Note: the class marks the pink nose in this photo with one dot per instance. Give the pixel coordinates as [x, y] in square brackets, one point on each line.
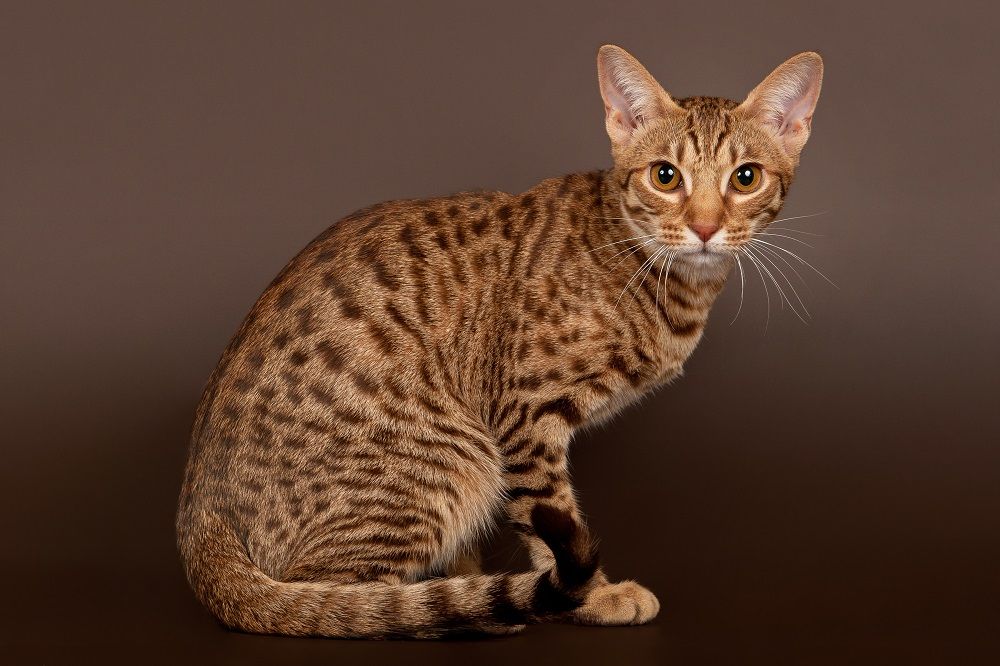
[704, 231]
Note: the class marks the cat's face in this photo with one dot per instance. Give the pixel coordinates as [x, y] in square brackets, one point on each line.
[700, 176]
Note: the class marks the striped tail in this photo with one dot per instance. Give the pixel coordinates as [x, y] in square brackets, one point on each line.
[243, 597]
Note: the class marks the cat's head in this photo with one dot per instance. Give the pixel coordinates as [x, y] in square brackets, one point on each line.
[700, 176]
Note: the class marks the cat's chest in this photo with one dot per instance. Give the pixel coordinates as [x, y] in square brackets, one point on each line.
[675, 350]
[640, 380]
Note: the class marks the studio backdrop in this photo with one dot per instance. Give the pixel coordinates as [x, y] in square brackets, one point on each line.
[814, 490]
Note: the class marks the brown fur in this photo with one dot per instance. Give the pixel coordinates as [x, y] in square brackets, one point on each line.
[422, 366]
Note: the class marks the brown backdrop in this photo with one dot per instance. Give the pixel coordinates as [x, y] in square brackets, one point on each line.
[822, 493]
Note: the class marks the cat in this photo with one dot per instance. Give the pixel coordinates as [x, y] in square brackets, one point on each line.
[421, 367]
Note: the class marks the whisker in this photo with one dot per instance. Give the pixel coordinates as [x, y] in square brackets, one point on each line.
[790, 286]
[624, 240]
[797, 257]
[660, 277]
[781, 291]
[634, 250]
[736, 255]
[666, 275]
[767, 292]
[619, 252]
[797, 240]
[641, 267]
[796, 231]
[787, 263]
[770, 275]
[649, 269]
[620, 219]
[799, 217]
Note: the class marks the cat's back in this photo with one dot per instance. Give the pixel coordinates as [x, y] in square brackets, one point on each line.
[349, 320]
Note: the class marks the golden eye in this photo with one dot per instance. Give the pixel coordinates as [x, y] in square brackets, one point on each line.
[746, 178]
[665, 176]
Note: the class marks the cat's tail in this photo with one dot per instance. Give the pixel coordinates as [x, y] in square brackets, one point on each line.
[243, 597]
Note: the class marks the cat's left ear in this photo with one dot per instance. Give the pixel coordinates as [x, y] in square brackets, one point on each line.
[784, 102]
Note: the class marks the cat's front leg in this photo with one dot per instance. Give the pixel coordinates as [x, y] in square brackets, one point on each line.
[539, 488]
[615, 604]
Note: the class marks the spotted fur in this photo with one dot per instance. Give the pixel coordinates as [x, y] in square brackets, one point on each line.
[419, 369]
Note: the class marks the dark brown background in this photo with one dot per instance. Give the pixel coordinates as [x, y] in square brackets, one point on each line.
[813, 494]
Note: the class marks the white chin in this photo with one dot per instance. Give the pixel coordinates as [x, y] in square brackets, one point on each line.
[700, 258]
[705, 263]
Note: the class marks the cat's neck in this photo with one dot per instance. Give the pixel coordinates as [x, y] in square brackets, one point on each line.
[642, 278]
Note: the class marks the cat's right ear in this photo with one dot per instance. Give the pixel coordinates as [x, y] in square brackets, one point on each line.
[632, 97]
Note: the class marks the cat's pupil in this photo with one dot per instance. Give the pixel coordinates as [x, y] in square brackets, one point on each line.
[665, 174]
[745, 176]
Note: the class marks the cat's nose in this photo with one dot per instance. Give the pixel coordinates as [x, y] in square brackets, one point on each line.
[704, 230]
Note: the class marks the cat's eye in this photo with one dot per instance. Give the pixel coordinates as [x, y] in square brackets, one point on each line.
[746, 178]
[665, 176]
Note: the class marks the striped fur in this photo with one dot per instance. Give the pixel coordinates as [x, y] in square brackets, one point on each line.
[420, 368]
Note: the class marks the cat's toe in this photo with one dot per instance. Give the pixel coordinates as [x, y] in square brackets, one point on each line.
[618, 604]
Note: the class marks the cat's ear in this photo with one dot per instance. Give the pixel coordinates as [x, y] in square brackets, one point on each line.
[632, 97]
[784, 102]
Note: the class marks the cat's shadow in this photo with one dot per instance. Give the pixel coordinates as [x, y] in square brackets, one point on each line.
[503, 551]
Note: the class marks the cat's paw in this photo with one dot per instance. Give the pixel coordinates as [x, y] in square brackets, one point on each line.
[617, 604]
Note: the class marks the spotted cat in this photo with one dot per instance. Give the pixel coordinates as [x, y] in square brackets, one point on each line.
[419, 370]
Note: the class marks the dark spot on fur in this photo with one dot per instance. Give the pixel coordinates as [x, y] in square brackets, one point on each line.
[442, 240]
[406, 236]
[286, 298]
[502, 607]
[564, 407]
[480, 225]
[332, 356]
